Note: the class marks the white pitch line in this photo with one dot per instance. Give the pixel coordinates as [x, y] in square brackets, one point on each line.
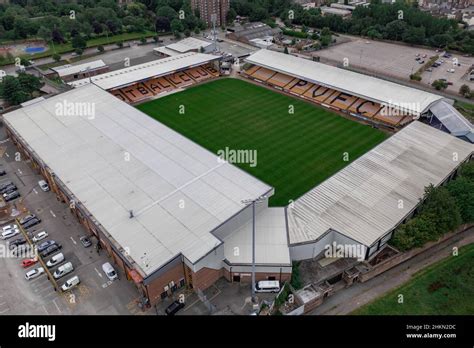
[34, 190]
[73, 241]
[52, 213]
[98, 273]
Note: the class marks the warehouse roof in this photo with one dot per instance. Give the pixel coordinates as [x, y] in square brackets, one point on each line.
[367, 87]
[188, 44]
[117, 159]
[362, 201]
[69, 69]
[156, 68]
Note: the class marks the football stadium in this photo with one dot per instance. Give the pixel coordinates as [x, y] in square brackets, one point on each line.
[332, 160]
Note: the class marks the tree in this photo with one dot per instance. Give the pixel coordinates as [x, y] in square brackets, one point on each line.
[100, 48]
[78, 42]
[162, 24]
[56, 57]
[167, 12]
[119, 44]
[29, 83]
[176, 26]
[11, 91]
[462, 189]
[286, 50]
[231, 15]
[57, 36]
[439, 84]
[143, 40]
[325, 40]
[187, 33]
[465, 91]
[44, 33]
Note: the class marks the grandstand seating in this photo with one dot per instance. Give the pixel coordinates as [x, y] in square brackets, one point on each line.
[143, 90]
[327, 96]
[281, 80]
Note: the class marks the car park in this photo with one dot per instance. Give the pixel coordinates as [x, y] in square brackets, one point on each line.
[86, 242]
[10, 233]
[51, 249]
[109, 271]
[34, 273]
[70, 283]
[55, 260]
[31, 223]
[43, 185]
[28, 262]
[40, 236]
[11, 196]
[45, 245]
[173, 308]
[63, 270]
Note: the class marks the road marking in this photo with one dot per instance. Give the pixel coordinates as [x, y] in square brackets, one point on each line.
[1, 304]
[57, 307]
[73, 241]
[45, 310]
[98, 273]
[6, 154]
[52, 213]
[19, 171]
[4, 141]
[34, 190]
[4, 311]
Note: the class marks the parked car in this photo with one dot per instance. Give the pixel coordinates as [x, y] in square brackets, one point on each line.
[109, 271]
[45, 245]
[70, 283]
[43, 185]
[26, 218]
[449, 83]
[86, 242]
[31, 223]
[450, 71]
[10, 233]
[40, 236]
[51, 249]
[10, 227]
[34, 273]
[5, 184]
[429, 69]
[2, 172]
[421, 62]
[11, 196]
[173, 308]
[9, 189]
[55, 260]
[16, 242]
[417, 58]
[28, 262]
[63, 270]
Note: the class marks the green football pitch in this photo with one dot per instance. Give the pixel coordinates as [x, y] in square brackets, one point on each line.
[295, 151]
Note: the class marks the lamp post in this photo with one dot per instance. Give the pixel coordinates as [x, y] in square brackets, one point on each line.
[252, 202]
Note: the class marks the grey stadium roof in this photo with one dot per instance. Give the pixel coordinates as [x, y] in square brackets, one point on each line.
[362, 200]
[456, 123]
[368, 87]
[156, 68]
[178, 190]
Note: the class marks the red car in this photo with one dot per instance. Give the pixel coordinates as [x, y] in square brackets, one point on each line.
[28, 262]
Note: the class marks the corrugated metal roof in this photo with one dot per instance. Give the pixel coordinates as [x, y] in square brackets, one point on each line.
[177, 190]
[452, 119]
[144, 71]
[362, 200]
[65, 70]
[271, 243]
[188, 44]
[368, 87]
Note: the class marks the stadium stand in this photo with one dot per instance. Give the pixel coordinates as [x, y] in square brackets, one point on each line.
[263, 74]
[300, 87]
[280, 80]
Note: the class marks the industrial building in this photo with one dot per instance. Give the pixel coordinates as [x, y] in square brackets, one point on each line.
[70, 72]
[189, 44]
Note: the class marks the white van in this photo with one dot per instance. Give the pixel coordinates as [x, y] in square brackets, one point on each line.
[63, 270]
[109, 271]
[55, 260]
[70, 283]
[267, 286]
